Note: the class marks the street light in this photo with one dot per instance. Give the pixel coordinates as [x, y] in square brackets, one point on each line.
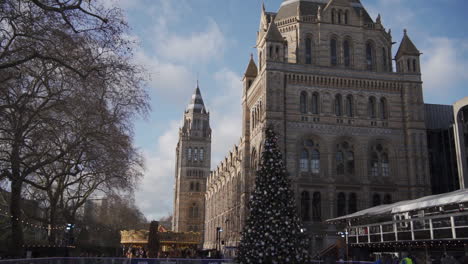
[218, 239]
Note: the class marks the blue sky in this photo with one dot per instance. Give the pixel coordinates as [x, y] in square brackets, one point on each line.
[212, 39]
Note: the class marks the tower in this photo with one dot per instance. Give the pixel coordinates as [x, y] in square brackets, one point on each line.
[193, 154]
[407, 57]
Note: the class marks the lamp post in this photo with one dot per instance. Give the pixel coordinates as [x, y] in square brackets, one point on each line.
[218, 239]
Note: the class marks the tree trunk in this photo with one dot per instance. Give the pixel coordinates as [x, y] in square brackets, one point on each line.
[17, 239]
[52, 221]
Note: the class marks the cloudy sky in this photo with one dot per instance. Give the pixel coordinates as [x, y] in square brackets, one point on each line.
[212, 39]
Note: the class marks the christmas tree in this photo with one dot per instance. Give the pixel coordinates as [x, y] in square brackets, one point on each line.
[273, 232]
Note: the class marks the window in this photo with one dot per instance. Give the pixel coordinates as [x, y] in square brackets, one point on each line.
[415, 69]
[409, 65]
[371, 107]
[346, 53]
[193, 211]
[304, 162]
[315, 162]
[333, 16]
[271, 52]
[384, 59]
[316, 207]
[260, 61]
[339, 17]
[202, 154]
[340, 163]
[350, 162]
[303, 102]
[376, 200]
[341, 204]
[385, 169]
[333, 54]
[192, 186]
[387, 199]
[308, 58]
[374, 165]
[286, 52]
[369, 57]
[352, 203]
[189, 154]
[315, 103]
[197, 186]
[305, 207]
[349, 106]
[383, 108]
[346, 17]
[338, 105]
[195, 154]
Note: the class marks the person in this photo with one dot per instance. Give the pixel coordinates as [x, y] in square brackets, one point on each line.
[406, 260]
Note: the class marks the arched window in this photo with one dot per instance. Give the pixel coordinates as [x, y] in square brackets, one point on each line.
[384, 59]
[195, 154]
[369, 57]
[315, 162]
[340, 163]
[271, 52]
[415, 68]
[409, 65]
[202, 154]
[374, 164]
[387, 199]
[189, 154]
[197, 187]
[260, 61]
[316, 207]
[341, 204]
[346, 53]
[303, 102]
[372, 108]
[305, 206]
[333, 54]
[346, 17]
[339, 17]
[338, 105]
[304, 161]
[376, 200]
[385, 166]
[383, 108]
[349, 106]
[315, 103]
[352, 203]
[333, 16]
[253, 159]
[350, 162]
[192, 186]
[308, 57]
[286, 55]
[193, 211]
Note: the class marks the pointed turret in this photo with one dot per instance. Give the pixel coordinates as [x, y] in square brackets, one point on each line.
[407, 56]
[250, 74]
[196, 103]
[273, 33]
[252, 69]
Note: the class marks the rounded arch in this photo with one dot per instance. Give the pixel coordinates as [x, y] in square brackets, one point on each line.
[383, 112]
[308, 48]
[348, 51]
[303, 102]
[338, 105]
[305, 206]
[333, 50]
[315, 103]
[370, 55]
[372, 107]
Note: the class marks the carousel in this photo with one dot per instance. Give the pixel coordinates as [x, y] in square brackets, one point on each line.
[172, 244]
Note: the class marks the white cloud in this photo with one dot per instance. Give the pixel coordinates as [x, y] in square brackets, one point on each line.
[155, 195]
[444, 67]
[197, 47]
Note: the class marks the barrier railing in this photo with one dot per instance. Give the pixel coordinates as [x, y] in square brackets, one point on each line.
[145, 261]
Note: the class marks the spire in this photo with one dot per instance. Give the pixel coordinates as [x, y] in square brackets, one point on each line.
[196, 103]
[407, 47]
[273, 33]
[252, 69]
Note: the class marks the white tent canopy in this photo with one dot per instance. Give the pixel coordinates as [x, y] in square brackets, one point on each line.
[460, 196]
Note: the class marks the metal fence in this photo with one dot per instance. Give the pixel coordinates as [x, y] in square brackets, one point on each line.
[144, 261]
[113, 261]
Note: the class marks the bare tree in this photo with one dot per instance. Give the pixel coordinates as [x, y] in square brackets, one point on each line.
[66, 77]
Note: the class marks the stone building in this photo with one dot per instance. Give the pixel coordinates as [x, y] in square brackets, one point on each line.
[351, 128]
[193, 160]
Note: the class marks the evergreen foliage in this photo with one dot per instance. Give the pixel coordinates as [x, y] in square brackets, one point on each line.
[273, 232]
